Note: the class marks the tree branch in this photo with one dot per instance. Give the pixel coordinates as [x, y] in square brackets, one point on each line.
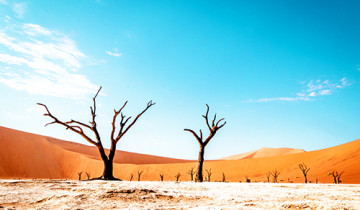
[114, 120]
[149, 104]
[199, 139]
[76, 129]
[206, 117]
[80, 123]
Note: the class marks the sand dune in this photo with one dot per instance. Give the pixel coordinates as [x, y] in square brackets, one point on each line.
[264, 152]
[25, 155]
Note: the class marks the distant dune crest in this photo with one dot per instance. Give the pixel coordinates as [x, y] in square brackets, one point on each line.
[264, 152]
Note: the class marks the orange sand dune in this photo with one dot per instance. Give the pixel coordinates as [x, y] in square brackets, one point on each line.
[264, 152]
[25, 155]
[344, 157]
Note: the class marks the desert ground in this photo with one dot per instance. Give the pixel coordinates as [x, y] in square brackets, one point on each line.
[40, 172]
[65, 194]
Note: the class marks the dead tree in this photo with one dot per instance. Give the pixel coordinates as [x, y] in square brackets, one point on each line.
[208, 172]
[161, 177]
[78, 127]
[336, 175]
[248, 180]
[131, 177]
[275, 174]
[191, 172]
[213, 128]
[268, 174]
[177, 176]
[223, 177]
[304, 170]
[139, 174]
[87, 175]
[79, 174]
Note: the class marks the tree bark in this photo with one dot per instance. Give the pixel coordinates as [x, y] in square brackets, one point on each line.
[199, 172]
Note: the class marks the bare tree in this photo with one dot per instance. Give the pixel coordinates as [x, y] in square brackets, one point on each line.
[208, 172]
[78, 127]
[87, 175]
[139, 174]
[161, 177]
[213, 129]
[191, 172]
[275, 174]
[268, 174]
[248, 180]
[79, 175]
[223, 177]
[177, 176]
[131, 177]
[336, 175]
[304, 170]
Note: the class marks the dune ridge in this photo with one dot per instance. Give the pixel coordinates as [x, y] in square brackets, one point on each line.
[264, 152]
[25, 155]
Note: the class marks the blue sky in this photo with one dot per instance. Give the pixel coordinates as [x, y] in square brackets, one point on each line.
[282, 73]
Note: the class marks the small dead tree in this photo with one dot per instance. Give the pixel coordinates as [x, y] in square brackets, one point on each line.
[208, 172]
[191, 172]
[336, 175]
[139, 174]
[131, 177]
[304, 170]
[79, 174]
[248, 180]
[87, 175]
[161, 177]
[223, 177]
[268, 174]
[213, 128]
[275, 174]
[177, 176]
[79, 127]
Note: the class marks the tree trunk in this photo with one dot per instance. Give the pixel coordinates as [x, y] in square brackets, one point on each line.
[199, 173]
[108, 163]
[108, 171]
[305, 179]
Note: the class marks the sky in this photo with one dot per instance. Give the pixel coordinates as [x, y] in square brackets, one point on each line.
[281, 73]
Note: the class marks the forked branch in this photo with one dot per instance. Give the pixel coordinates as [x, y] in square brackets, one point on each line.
[213, 128]
[123, 121]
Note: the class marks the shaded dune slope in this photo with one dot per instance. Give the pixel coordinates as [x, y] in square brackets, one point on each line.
[26, 155]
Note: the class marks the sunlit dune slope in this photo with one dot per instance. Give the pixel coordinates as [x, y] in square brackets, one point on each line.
[25, 155]
[264, 152]
[344, 157]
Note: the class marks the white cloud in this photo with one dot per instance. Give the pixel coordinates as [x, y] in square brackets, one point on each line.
[116, 54]
[324, 92]
[19, 9]
[34, 29]
[310, 91]
[11, 60]
[3, 2]
[42, 61]
[276, 99]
